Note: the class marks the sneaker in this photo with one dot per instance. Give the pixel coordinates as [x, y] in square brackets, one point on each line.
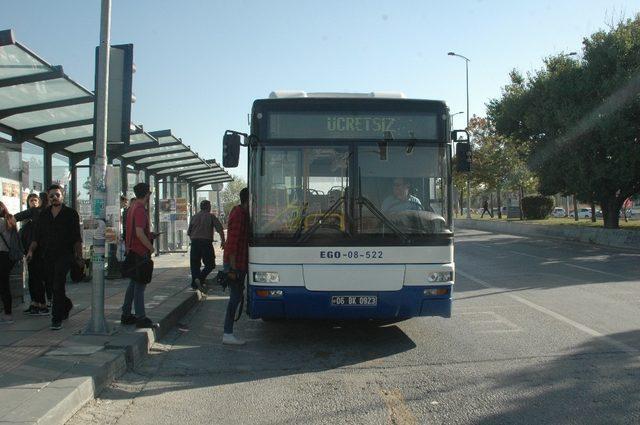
[30, 310]
[56, 326]
[39, 311]
[230, 339]
[145, 322]
[6, 320]
[128, 319]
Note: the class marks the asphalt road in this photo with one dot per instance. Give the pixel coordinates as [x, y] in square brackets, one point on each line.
[542, 332]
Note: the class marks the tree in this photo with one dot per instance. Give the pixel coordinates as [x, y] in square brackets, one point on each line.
[230, 195]
[579, 120]
[498, 162]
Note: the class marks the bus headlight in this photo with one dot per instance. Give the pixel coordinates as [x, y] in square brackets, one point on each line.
[266, 277]
[440, 277]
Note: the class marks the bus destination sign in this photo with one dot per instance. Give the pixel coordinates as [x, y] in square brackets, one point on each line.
[377, 126]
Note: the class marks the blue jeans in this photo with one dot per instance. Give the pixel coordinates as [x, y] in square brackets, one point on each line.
[201, 250]
[135, 295]
[236, 290]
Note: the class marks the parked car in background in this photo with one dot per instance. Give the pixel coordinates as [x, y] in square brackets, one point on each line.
[582, 213]
[558, 212]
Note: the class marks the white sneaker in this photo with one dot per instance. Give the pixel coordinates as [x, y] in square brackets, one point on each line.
[230, 339]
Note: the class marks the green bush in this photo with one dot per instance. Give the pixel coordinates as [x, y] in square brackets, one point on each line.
[536, 207]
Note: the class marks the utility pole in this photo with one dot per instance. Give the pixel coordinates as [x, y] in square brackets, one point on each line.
[466, 67]
[98, 324]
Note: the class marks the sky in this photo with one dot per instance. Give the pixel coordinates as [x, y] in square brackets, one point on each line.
[201, 63]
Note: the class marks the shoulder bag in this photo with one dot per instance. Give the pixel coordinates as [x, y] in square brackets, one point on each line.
[16, 251]
[138, 268]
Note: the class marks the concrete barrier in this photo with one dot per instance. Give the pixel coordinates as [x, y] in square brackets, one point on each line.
[618, 238]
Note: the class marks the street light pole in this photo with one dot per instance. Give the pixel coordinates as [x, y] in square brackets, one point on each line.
[98, 324]
[466, 66]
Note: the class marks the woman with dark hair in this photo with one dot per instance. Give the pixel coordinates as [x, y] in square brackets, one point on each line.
[44, 200]
[29, 217]
[7, 227]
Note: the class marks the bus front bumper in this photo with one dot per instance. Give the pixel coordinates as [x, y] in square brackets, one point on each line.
[299, 303]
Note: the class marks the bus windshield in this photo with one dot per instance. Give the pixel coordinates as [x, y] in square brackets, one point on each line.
[365, 192]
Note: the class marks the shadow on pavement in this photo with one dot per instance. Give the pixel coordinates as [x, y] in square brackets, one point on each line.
[592, 385]
[274, 349]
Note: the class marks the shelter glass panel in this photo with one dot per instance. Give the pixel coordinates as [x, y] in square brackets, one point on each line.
[38, 92]
[10, 167]
[67, 133]
[49, 116]
[33, 167]
[15, 62]
[61, 174]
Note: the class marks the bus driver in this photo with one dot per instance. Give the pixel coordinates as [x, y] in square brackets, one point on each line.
[401, 200]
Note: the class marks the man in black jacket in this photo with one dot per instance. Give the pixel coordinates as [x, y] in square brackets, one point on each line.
[58, 237]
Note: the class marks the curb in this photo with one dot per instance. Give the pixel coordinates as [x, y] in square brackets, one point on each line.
[614, 238]
[79, 378]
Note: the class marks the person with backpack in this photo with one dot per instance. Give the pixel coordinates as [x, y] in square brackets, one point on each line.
[201, 229]
[10, 253]
[29, 219]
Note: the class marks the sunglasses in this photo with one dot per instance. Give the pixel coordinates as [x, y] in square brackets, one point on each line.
[55, 195]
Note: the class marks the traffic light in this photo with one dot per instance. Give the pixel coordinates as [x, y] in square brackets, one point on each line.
[463, 157]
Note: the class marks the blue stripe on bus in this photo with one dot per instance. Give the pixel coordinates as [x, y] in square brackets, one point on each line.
[300, 303]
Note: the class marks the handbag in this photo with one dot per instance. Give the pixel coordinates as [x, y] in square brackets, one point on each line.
[77, 270]
[16, 250]
[137, 267]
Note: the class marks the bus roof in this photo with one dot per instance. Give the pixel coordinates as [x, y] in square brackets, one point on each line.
[287, 94]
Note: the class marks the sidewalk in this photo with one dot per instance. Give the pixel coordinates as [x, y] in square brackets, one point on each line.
[45, 375]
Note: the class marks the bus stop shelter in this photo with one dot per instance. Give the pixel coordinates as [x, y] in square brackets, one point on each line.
[46, 137]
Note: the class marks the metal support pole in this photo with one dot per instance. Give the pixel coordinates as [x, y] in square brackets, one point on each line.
[48, 169]
[156, 212]
[124, 177]
[466, 63]
[98, 324]
[218, 202]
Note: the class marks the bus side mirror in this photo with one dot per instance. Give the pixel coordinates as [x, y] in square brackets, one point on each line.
[463, 157]
[230, 150]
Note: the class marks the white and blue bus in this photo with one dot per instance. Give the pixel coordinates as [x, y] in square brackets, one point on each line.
[351, 206]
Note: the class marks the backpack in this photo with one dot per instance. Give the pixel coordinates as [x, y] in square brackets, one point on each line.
[16, 250]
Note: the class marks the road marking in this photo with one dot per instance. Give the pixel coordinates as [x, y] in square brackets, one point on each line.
[560, 317]
[569, 264]
[399, 412]
[496, 319]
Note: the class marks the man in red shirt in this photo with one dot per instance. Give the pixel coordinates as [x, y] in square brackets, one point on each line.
[236, 255]
[139, 241]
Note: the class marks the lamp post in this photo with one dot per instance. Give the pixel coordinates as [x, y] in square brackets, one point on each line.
[466, 66]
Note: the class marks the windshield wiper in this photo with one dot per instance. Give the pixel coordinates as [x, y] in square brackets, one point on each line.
[303, 215]
[319, 222]
[367, 203]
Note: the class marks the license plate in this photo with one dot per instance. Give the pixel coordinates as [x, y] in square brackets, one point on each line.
[348, 300]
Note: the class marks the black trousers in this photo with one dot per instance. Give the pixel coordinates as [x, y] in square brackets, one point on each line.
[56, 269]
[201, 250]
[36, 281]
[5, 286]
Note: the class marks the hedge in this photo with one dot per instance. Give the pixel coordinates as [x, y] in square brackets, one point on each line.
[536, 207]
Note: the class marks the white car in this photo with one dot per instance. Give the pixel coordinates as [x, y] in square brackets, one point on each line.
[558, 212]
[584, 213]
